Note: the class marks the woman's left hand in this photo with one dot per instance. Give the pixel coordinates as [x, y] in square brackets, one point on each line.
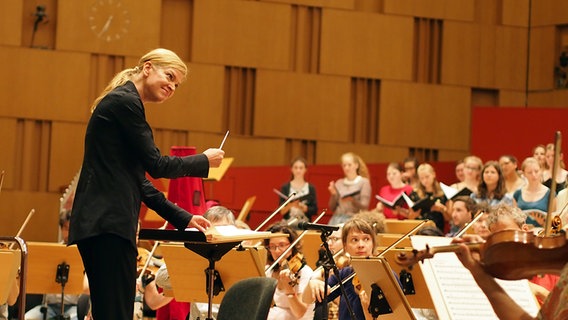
[200, 223]
[284, 281]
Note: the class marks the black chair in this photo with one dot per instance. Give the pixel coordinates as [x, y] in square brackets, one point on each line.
[248, 299]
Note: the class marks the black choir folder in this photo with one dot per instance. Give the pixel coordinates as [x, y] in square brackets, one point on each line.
[424, 203]
[452, 193]
[398, 201]
[352, 194]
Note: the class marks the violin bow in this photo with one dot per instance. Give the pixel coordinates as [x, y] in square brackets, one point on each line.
[30, 214]
[151, 254]
[290, 198]
[414, 230]
[291, 246]
[552, 195]
[469, 224]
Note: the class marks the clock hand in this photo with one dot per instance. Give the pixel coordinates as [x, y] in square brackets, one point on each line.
[106, 26]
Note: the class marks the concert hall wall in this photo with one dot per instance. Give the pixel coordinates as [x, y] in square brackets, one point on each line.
[383, 78]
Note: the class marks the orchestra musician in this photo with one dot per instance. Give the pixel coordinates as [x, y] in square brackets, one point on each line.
[504, 217]
[119, 151]
[358, 238]
[292, 273]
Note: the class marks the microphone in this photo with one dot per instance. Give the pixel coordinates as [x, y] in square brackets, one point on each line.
[316, 226]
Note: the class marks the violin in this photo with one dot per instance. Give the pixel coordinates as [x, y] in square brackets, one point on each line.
[508, 254]
[294, 264]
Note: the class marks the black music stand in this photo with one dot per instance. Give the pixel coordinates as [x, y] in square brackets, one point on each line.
[212, 252]
[197, 242]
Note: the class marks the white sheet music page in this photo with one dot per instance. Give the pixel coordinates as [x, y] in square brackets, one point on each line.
[454, 291]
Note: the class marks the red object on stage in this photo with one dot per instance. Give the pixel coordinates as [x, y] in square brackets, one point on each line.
[187, 193]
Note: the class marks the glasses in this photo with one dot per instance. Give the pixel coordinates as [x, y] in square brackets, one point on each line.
[333, 239]
[472, 168]
[280, 246]
[408, 168]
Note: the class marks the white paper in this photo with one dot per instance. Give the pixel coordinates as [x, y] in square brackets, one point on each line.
[454, 291]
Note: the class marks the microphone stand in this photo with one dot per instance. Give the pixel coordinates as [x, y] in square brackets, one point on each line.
[329, 264]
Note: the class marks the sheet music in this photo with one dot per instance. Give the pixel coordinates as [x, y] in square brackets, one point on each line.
[454, 291]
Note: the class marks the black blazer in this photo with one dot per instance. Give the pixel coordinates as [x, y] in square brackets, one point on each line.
[119, 150]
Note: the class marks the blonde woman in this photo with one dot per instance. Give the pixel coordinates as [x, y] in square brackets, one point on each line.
[119, 151]
[561, 173]
[533, 197]
[472, 174]
[352, 193]
[429, 187]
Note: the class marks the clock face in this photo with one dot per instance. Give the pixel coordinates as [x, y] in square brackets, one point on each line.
[109, 19]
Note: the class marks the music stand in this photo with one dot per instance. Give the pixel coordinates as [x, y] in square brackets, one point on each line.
[421, 299]
[23, 266]
[212, 250]
[401, 226]
[55, 268]
[376, 270]
[188, 284]
[311, 244]
[9, 264]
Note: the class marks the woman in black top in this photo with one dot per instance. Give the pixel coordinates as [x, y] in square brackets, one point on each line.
[119, 151]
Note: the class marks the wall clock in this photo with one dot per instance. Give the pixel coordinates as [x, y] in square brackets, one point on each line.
[109, 20]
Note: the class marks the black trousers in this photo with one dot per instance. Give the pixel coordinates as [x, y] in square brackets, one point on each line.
[110, 264]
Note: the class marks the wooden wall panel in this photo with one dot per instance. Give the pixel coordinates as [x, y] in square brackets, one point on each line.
[10, 22]
[510, 58]
[32, 160]
[460, 53]
[295, 105]
[430, 116]
[44, 35]
[43, 226]
[486, 55]
[177, 36]
[242, 33]
[51, 84]
[338, 4]
[8, 158]
[305, 46]
[438, 9]
[330, 152]
[65, 153]
[133, 26]
[549, 12]
[366, 45]
[515, 12]
[488, 12]
[542, 58]
[196, 105]
[509, 98]
[246, 151]
[550, 98]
